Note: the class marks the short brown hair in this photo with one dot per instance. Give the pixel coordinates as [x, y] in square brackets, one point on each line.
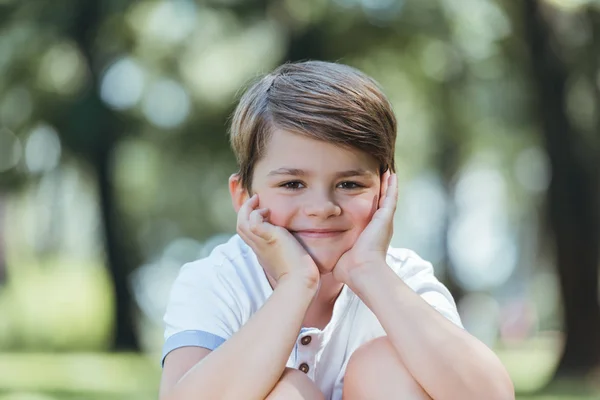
[326, 101]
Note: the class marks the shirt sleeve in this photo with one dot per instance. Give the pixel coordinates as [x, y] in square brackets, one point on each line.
[419, 275]
[205, 307]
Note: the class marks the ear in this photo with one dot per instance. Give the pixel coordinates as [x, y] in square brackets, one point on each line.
[239, 195]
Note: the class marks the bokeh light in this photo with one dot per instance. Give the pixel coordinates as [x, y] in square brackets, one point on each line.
[16, 107]
[10, 149]
[123, 84]
[42, 149]
[166, 104]
[481, 244]
[63, 69]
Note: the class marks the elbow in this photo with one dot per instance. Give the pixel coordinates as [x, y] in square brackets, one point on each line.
[493, 387]
[505, 388]
[172, 394]
[502, 391]
[165, 396]
[169, 395]
[488, 379]
[500, 385]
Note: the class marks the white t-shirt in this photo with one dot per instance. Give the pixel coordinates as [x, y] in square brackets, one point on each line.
[214, 297]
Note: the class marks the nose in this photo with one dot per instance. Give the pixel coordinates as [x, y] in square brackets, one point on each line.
[322, 206]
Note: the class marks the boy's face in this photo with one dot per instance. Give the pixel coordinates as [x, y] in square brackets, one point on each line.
[324, 194]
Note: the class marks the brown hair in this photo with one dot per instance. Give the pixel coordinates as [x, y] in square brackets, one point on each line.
[326, 101]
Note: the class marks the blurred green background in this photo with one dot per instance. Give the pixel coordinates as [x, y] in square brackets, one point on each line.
[114, 163]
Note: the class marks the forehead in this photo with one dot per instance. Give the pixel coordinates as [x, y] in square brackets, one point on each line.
[292, 150]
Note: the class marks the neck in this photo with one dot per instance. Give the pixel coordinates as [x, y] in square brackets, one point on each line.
[320, 310]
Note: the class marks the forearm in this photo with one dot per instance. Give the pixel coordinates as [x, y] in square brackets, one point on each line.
[444, 359]
[250, 363]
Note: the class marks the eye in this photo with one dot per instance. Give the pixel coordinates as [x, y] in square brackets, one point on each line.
[350, 185]
[292, 185]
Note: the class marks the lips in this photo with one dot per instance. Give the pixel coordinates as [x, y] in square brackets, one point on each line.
[318, 233]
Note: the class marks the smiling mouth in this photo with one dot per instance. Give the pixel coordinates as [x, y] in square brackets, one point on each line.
[318, 233]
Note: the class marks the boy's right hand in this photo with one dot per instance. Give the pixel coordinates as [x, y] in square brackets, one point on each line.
[278, 252]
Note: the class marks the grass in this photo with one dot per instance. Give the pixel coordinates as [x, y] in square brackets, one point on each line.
[77, 376]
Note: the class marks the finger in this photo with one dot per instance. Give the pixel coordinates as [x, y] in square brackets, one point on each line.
[245, 210]
[388, 203]
[259, 226]
[246, 238]
[383, 187]
[257, 216]
[391, 196]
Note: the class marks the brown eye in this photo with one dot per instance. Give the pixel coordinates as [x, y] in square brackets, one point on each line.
[350, 185]
[293, 185]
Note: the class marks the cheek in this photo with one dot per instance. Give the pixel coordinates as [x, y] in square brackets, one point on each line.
[281, 209]
[361, 212]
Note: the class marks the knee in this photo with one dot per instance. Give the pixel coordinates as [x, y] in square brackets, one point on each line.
[375, 371]
[369, 359]
[295, 385]
[364, 358]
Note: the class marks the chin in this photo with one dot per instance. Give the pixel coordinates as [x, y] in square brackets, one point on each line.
[325, 270]
[325, 262]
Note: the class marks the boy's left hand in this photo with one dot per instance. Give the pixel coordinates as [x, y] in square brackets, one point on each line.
[371, 247]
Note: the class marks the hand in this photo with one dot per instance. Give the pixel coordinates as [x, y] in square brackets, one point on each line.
[371, 246]
[278, 252]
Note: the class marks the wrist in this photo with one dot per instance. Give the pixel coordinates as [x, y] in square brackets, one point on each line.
[301, 284]
[366, 273]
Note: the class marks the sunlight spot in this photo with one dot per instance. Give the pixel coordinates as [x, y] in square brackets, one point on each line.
[532, 169]
[122, 84]
[10, 149]
[166, 104]
[481, 242]
[16, 106]
[63, 69]
[170, 21]
[42, 149]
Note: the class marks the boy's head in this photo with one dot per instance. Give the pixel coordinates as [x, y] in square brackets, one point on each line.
[324, 101]
[313, 139]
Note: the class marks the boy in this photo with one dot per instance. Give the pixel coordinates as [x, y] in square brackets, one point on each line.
[308, 301]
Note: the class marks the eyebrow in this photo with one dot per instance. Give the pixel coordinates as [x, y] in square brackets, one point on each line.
[301, 172]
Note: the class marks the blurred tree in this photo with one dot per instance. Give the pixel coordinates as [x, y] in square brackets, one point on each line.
[13, 178]
[573, 198]
[2, 241]
[92, 131]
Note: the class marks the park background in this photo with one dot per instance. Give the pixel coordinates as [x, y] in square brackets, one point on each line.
[114, 162]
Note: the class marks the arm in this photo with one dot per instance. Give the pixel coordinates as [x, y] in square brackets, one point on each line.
[251, 361]
[239, 368]
[445, 360]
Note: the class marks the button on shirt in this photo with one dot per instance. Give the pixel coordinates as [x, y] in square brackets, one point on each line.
[304, 368]
[212, 298]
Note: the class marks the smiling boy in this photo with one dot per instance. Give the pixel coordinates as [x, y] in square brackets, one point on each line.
[308, 301]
